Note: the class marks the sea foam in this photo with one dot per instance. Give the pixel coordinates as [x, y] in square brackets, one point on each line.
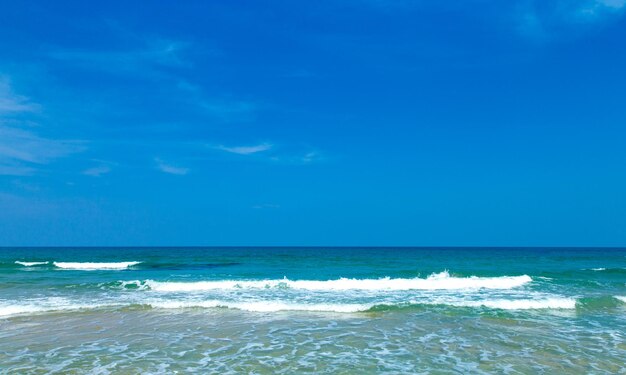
[45, 305]
[90, 266]
[439, 281]
[263, 306]
[521, 304]
[269, 306]
[30, 264]
[17, 310]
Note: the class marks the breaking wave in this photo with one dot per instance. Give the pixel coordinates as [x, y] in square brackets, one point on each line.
[438, 281]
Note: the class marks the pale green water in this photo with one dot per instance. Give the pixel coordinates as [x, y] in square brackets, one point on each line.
[263, 310]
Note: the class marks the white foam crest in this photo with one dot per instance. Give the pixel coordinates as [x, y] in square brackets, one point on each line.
[30, 264]
[50, 304]
[263, 306]
[599, 269]
[61, 304]
[440, 281]
[17, 310]
[521, 304]
[621, 298]
[92, 266]
[56, 304]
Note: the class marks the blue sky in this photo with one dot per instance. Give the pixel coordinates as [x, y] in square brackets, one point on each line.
[474, 123]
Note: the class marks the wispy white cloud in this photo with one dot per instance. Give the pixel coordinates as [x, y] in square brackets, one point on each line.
[26, 146]
[284, 155]
[100, 168]
[155, 60]
[171, 169]
[591, 10]
[16, 170]
[298, 159]
[141, 60]
[11, 102]
[310, 157]
[246, 150]
[616, 4]
[224, 108]
[21, 148]
[97, 171]
[550, 19]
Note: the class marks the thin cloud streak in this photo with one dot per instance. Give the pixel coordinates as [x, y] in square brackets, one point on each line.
[246, 150]
[144, 60]
[545, 21]
[16, 170]
[21, 148]
[310, 157]
[170, 169]
[97, 171]
[11, 102]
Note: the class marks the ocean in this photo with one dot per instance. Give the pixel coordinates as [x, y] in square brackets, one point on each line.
[312, 310]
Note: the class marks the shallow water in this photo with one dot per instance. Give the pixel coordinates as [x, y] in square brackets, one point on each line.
[337, 310]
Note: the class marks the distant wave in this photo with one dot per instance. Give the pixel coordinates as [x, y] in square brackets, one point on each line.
[30, 264]
[605, 270]
[90, 266]
[122, 265]
[439, 281]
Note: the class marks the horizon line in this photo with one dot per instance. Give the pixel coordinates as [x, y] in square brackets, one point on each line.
[314, 246]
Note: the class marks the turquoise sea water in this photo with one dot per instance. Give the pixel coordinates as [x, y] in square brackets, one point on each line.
[317, 310]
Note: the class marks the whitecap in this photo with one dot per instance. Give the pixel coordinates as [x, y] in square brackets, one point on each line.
[30, 264]
[91, 266]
